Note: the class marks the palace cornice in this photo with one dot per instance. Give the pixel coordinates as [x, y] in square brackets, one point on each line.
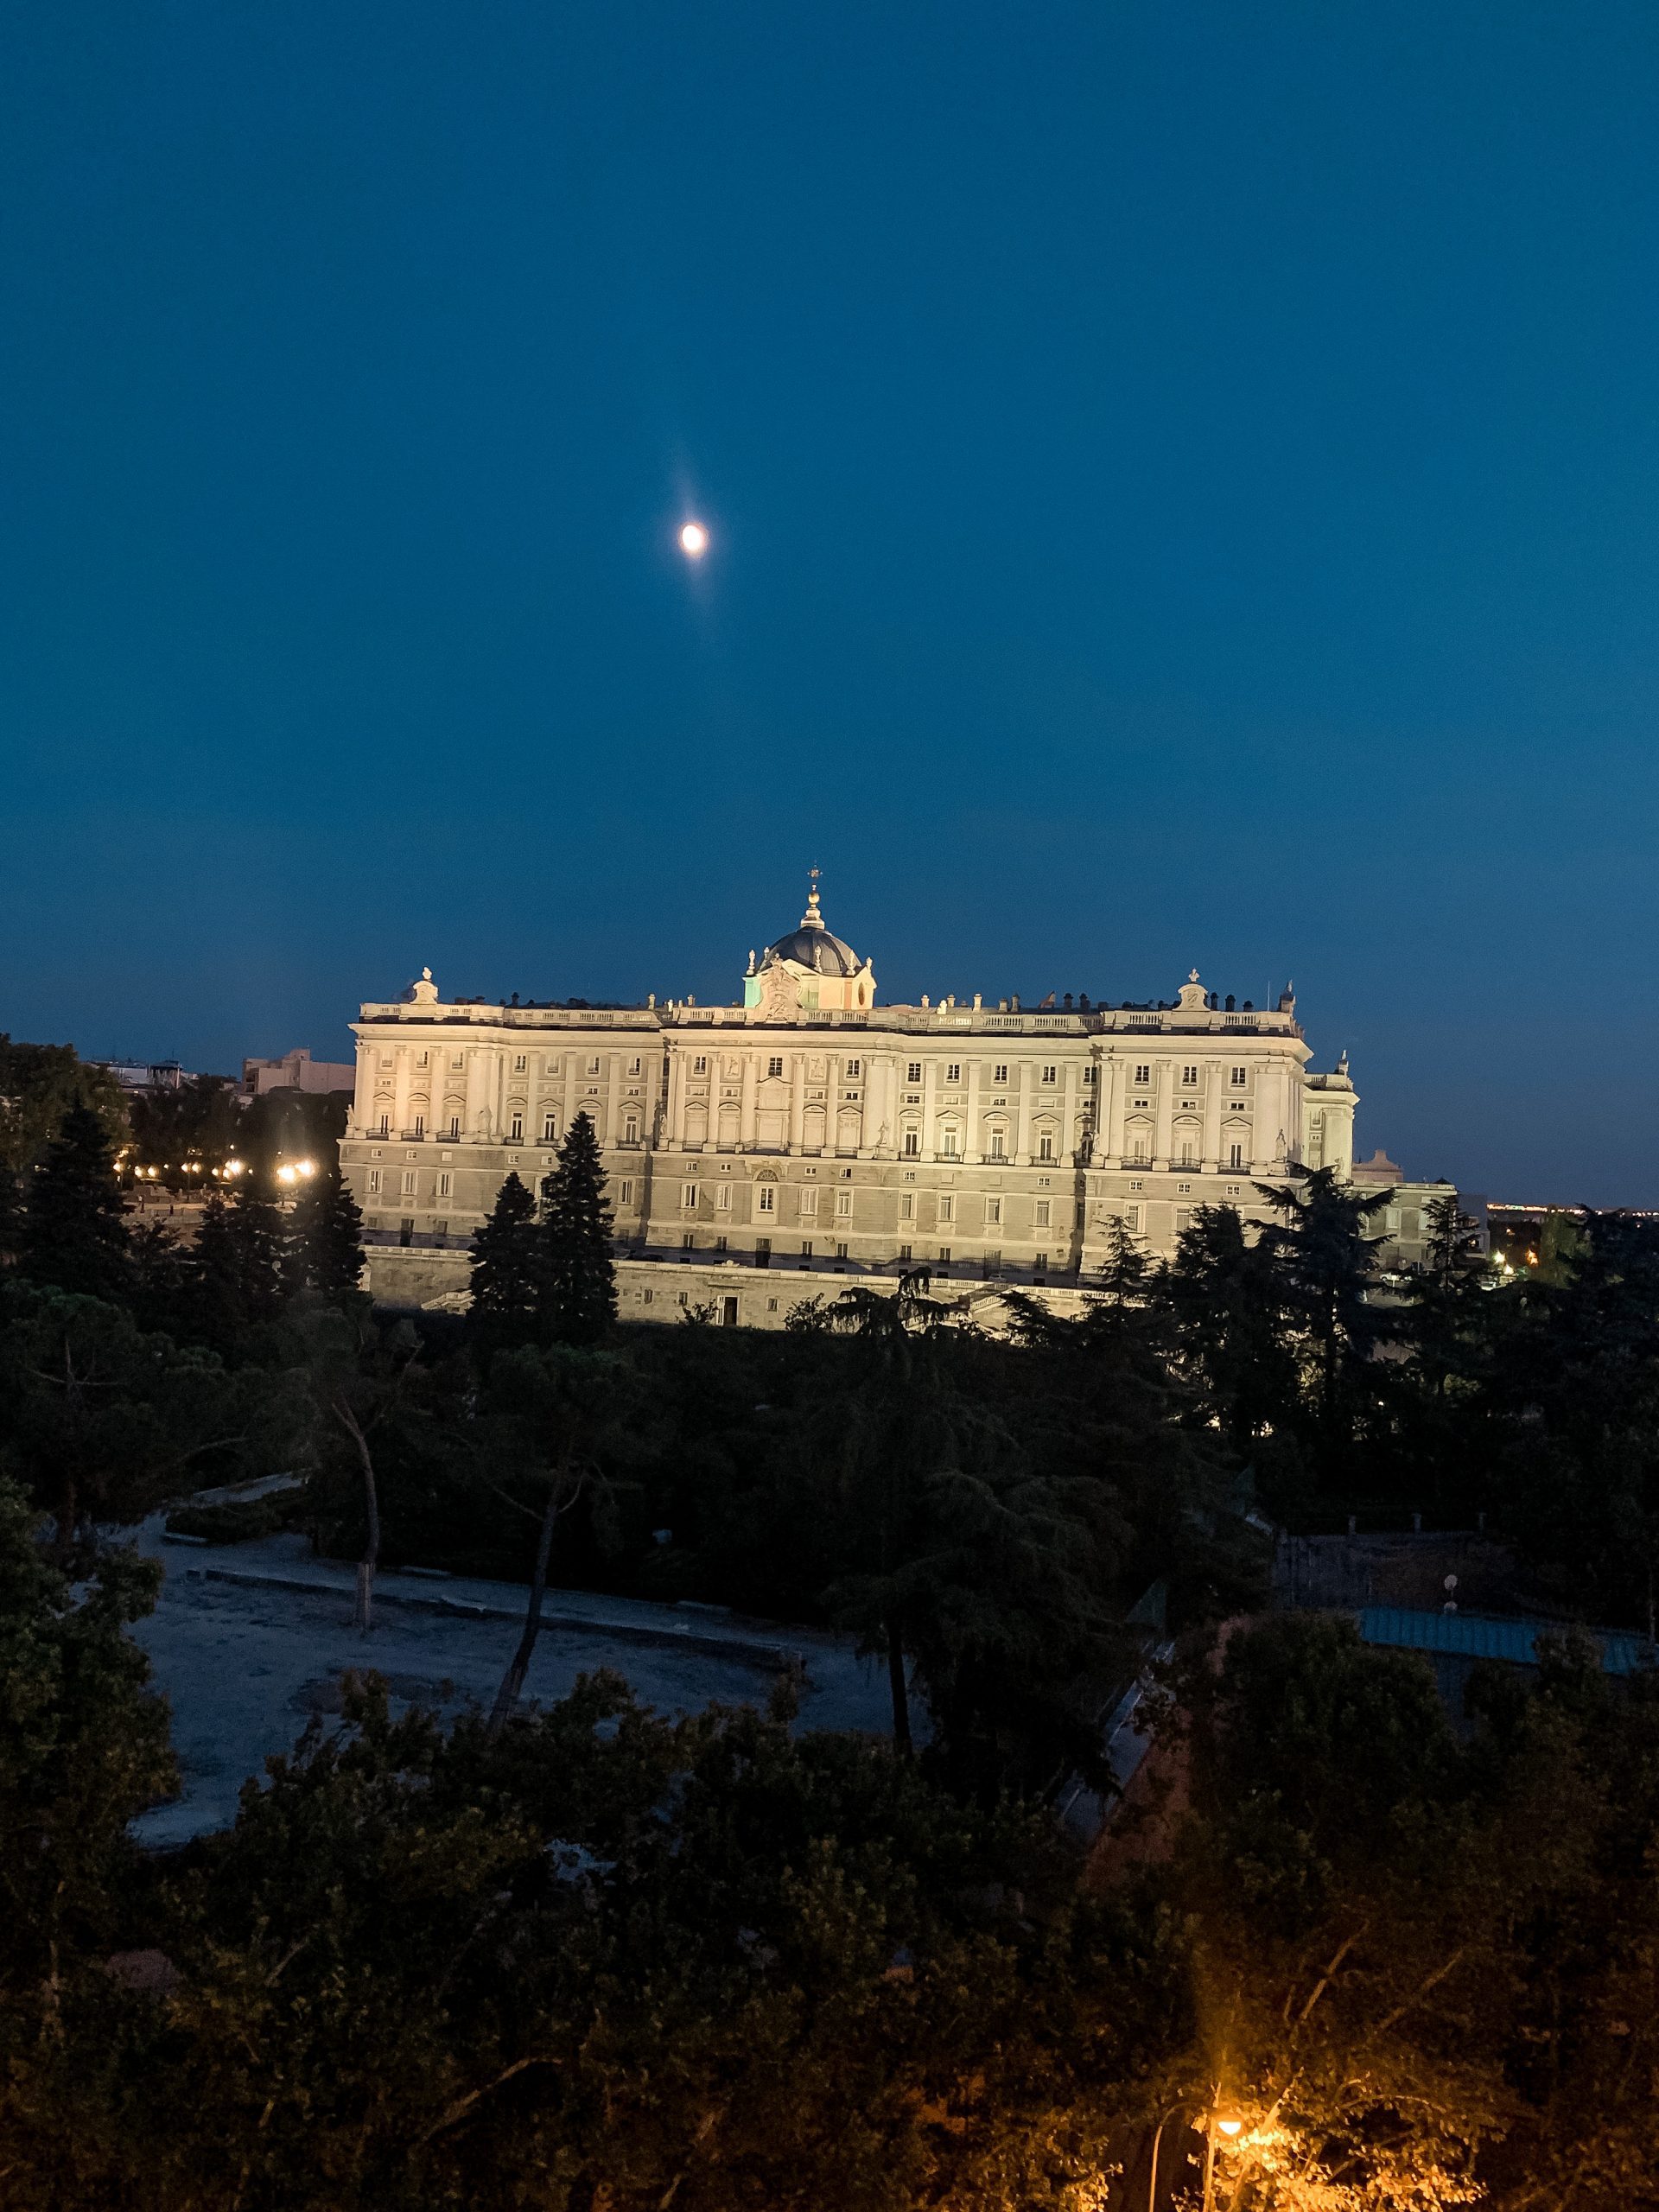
[894, 1021]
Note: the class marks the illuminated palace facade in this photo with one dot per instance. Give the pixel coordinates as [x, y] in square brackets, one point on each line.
[807, 1132]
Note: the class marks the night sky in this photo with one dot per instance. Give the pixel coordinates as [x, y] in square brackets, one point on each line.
[1182, 486]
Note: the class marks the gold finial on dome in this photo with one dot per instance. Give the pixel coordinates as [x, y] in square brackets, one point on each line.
[812, 919]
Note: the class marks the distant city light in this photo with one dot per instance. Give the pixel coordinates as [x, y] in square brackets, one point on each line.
[694, 540]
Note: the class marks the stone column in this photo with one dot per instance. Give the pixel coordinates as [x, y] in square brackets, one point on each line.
[1214, 1098]
[1114, 1076]
[798, 1103]
[1022, 1119]
[400, 1093]
[1070, 1152]
[930, 1108]
[1165, 1071]
[477, 1096]
[746, 1116]
[971, 1147]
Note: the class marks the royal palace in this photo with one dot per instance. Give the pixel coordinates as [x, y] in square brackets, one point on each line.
[807, 1131]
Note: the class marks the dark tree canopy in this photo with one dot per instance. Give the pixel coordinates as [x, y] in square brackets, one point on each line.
[75, 1229]
[324, 1240]
[506, 1273]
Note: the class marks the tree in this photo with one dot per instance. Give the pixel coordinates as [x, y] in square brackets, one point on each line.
[362, 1379]
[323, 1248]
[11, 1219]
[578, 1272]
[1224, 1290]
[102, 1421]
[83, 1747]
[556, 1404]
[236, 1265]
[39, 1084]
[1327, 1257]
[75, 1229]
[505, 1277]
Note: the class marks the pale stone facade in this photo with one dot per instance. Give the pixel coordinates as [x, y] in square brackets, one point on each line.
[810, 1133]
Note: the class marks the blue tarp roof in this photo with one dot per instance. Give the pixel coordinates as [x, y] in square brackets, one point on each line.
[1489, 1636]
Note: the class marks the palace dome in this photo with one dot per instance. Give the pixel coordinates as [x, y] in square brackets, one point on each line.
[814, 947]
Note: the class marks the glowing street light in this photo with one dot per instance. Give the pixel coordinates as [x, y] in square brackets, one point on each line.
[694, 541]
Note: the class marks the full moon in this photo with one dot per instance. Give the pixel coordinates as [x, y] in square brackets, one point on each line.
[694, 540]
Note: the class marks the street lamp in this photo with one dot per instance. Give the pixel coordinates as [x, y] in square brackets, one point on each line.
[1213, 2122]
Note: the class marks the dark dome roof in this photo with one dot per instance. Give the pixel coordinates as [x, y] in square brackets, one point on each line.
[818, 949]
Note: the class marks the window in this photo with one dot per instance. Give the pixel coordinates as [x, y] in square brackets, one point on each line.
[945, 1255]
[1040, 1217]
[1189, 1075]
[775, 1065]
[459, 1060]
[1183, 1190]
[1235, 1190]
[626, 1194]
[633, 1067]
[720, 1243]
[768, 1198]
[904, 1255]
[385, 1125]
[913, 1071]
[948, 1143]
[631, 1128]
[409, 1182]
[723, 1198]
[1240, 1076]
[1137, 1186]
[1189, 1157]
[998, 1147]
[1132, 1219]
[907, 1205]
[420, 1125]
[687, 1242]
[771, 1306]
[912, 1144]
[374, 1182]
[421, 1058]
[549, 1128]
[1051, 1073]
[688, 1197]
[855, 1069]
[993, 1213]
[953, 1073]
[841, 1251]
[445, 1186]
[592, 1067]
[515, 1133]
[1235, 1156]
[519, 1065]
[808, 1206]
[1138, 1152]
[439, 1229]
[843, 1203]
[1000, 1072]
[1046, 1145]
[1089, 1075]
[700, 1066]
[806, 1249]
[947, 1207]
[454, 1125]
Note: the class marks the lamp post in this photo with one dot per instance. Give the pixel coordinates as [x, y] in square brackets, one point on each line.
[1214, 2123]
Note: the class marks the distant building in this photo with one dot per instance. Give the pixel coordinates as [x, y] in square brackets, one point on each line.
[296, 1070]
[810, 1133]
[144, 1075]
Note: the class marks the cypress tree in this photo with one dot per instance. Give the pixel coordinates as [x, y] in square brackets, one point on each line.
[324, 1249]
[578, 1274]
[504, 1272]
[75, 1229]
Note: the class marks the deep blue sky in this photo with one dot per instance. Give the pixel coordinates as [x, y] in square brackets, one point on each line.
[1184, 484]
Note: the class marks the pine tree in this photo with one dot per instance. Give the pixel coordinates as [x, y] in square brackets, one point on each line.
[578, 1272]
[75, 1229]
[238, 1265]
[505, 1273]
[324, 1249]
